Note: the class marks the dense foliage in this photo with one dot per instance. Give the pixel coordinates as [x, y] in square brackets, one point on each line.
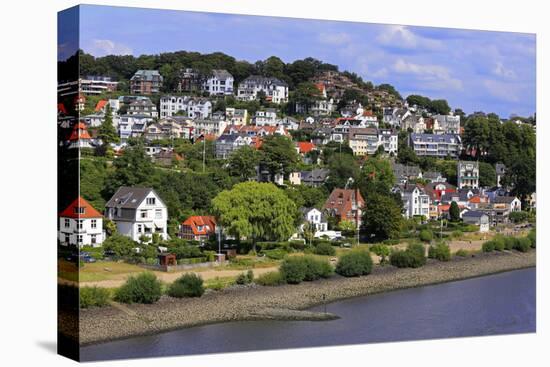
[142, 288]
[354, 263]
[188, 285]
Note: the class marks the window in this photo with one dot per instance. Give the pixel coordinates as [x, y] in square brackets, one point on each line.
[79, 210]
[79, 238]
[94, 240]
[67, 238]
[80, 224]
[158, 213]
[143, 213]
[94, 223]
[67, 222]
[151, 201]
[139, 228]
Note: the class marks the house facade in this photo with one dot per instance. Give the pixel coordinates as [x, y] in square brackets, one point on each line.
[143, 107]
[438, 146]
[315, 218]
[219, 83]
[467, 174]
[138, 211]
[81, 224]
[415, 201]
[345, 204]
[198, 228]
[226, 144]
[146, 82]
[478, 219]
[275, 90]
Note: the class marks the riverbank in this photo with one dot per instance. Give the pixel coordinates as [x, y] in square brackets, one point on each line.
[243, 303]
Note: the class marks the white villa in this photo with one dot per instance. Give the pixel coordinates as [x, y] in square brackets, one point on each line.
[80, 224]
[138, 211]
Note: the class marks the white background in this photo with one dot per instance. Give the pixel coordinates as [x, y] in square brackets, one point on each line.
[28, 181]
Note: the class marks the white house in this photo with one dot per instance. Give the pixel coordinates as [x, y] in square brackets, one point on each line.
[192, 107]
[236, 116]
[275, 90]
[477, 218]
[132, 125]
[138, 211]
[314, 217]
[143, 107]
[219, 82]
[80, 224]
[415, 201]
[266, 117]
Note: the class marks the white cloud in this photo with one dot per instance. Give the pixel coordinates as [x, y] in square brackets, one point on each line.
[502, 71]
[402, 37]
[500, 90]
[380, 73]
[431, 76]
[108, 47]
[335, 38]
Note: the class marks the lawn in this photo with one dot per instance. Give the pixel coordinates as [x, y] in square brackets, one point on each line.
[107, 270]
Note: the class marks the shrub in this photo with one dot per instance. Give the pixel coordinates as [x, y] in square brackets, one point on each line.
[488, 246]
[243, 278]
[93, 297]
[441, 252]
[293, 270]
[461, 253]
[457, 234]
[509, 243]
[532, 236]
[272, 278]
[381, 250]
[188, 285]
[522, 244]
[151, 261]
[275, 254]
[316, 268]
[143, 288]
[426, 235]
[324, 248]
[412, 257]
[391, 241]
[498, 242]
[250, 275]
[354, 263]
[518, 217]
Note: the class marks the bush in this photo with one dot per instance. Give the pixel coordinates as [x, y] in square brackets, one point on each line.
[324, 248]
[518, 217]
[381, 250]
[498, 242]
[245, 278]
[412, 257]
[461, 253]
[532, 236]
[441, 252]
[188, 285]
[272, 278]
[316, 268]
[509, 243]
[426, 235]
[275, 254]
[143, 288]
[293, 270]
[457, 234]
[93, 297]
[522, 244]
[488, 246]
[354, 263]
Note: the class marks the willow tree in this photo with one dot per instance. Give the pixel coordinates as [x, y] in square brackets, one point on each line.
[257, 211]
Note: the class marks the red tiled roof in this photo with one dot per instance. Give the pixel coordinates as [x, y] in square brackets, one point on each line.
[305, 146]
[342, 200]
[80, 131]
[320, 86]
[207, 222]
[72, 210]
[99, 106]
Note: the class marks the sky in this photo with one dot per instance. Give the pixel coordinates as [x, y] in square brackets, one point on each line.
[474, 70]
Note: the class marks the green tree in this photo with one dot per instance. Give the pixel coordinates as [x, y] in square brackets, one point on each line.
[487, 175]
[382, 217]
[107, 131]
[376, 177]
[278, 155]
[257, 211]
[242, 163]
[454, 212]
[305, 95]
[121, 245]
[342, 167]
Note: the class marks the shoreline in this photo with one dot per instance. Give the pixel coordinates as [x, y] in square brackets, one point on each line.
[245, 303]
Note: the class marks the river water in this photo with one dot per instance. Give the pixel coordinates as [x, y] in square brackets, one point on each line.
[497, 304]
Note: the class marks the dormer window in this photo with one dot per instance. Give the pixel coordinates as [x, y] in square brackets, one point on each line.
[79, 210]
[151, 201]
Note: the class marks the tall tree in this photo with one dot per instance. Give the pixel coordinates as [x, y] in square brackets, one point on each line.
[242, 163]
[107, 131]
[305, 95]
[382, 217]
[454, 212]
[257, 211]
[278, 155]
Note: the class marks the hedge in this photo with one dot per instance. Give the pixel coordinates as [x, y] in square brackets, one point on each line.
[412, 257]
[294, 270]
[324, 248]
[271, 278]
[93, 297]
[188, 285]
[441, 252]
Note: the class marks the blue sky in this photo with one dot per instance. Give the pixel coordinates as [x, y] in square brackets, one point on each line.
[473, 70]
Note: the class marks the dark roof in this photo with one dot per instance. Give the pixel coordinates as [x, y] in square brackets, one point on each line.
[503, 199]
[316, 175]
[473, 214]
[128, 197]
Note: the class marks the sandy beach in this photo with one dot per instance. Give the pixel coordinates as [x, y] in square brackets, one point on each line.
[256, 302]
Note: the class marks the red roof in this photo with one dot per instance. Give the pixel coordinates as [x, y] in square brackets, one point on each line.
[320, 86]
[342, 202]
[100, 105]
[80, 209]
[368, 113]
[61, 108]
[208, 224]
[305, 146]
[80, 131]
